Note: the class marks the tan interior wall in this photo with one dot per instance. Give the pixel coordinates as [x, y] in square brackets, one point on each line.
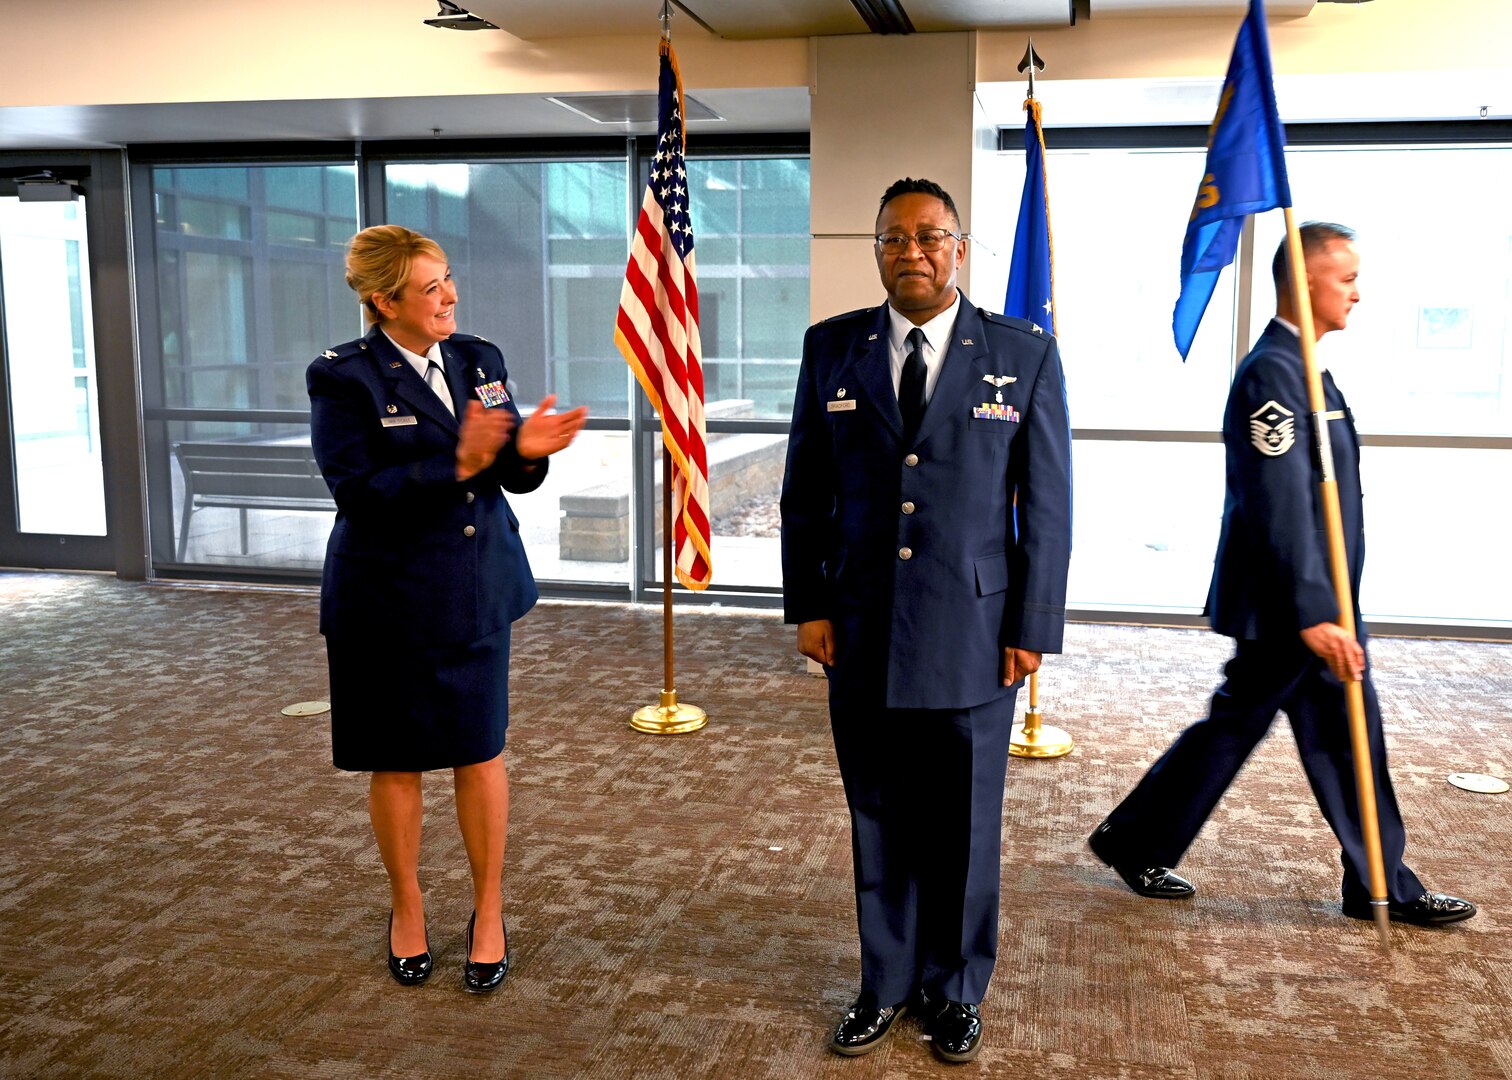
[113, 52]
[132, 51]
[882, 108]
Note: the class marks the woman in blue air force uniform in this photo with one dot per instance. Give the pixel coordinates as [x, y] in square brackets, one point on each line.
[416, 436]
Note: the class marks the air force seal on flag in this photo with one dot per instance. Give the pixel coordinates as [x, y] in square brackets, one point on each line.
[1272, 429]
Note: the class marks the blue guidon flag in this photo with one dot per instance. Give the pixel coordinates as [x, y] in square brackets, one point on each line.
[1031, 272]
[1245, 174]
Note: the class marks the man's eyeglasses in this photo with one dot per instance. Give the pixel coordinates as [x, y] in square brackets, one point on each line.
[927, 239]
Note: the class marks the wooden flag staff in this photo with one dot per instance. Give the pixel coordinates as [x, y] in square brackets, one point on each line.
[1338, 559]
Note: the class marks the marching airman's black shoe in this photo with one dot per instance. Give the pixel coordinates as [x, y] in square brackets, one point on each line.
[956, 1032]
[1430, 909]
[1156, 882]
[863, 1028]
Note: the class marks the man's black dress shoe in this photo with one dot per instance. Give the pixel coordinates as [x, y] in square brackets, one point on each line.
[484, 978]
[407, 970]
[1430, 909]
[1156, 882]
[863, 1028]
[956, 1032]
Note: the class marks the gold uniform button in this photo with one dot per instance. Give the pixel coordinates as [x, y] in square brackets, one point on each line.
[469, 531]
[908, 508]
[911, 460]
[471, 496]
[905, 553]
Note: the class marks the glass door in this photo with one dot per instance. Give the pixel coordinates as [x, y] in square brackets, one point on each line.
[52, 485]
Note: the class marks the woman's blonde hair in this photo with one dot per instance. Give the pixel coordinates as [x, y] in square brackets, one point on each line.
[378, 260]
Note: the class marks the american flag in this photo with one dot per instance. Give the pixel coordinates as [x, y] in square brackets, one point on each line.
[657, 328]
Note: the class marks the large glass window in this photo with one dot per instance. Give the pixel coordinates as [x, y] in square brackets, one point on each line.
[1426, 351]
[1118, 217]
[538, 252]
[250, 287]
[251, 282]
[247, 286]
[538, 249]
[1425, 355]
[750, 221]
[1147, 506]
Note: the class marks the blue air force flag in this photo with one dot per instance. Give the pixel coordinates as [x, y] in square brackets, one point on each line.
[1031, 273]
[1245, 174]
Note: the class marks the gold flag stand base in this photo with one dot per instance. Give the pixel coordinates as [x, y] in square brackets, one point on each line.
[669, 718]
[1037, 740]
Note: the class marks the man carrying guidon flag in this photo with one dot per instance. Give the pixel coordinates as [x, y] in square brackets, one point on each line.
[657, 328]
[1282, 587]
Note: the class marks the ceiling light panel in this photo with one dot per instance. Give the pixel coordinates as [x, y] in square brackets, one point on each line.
[1115, 9]
[941, 15]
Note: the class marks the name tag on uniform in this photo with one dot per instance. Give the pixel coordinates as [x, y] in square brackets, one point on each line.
[398, 421]
[492, 394]
[844, 405]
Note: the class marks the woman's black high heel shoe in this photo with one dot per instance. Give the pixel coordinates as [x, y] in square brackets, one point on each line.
[484, 978]
[408, 970]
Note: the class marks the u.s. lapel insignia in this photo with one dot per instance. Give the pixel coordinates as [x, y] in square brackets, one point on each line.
[329, 354]
[967, 341]
[1273, 429]
[871, 337]
[396, 363]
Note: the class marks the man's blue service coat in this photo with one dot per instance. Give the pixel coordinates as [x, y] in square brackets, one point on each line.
[914, 550]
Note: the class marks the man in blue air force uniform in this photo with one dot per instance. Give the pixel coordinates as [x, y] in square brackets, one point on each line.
[1272, 591]
[928, 597]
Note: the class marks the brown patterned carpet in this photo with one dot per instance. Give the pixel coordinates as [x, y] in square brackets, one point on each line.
[188, 889]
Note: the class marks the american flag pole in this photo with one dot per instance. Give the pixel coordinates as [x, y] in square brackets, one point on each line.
[657, 332]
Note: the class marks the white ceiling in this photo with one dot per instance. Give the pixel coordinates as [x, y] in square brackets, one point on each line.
[747, 19]
[457, 117]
